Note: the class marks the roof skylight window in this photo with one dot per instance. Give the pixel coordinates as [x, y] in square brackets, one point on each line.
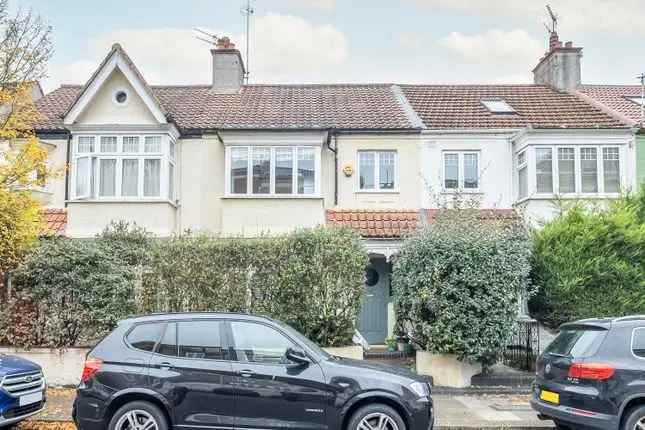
[498, 106]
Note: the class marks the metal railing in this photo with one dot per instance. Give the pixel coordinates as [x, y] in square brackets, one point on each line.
[523, 348]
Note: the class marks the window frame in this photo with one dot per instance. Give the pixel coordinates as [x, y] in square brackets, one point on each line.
[523, 165]
[461, 169]
[233, 345]
[93, 194]
[228, 193]
[531, 159]
[377, 171]
[554, 185]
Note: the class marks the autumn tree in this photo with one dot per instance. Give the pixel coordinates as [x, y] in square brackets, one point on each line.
[25, 48]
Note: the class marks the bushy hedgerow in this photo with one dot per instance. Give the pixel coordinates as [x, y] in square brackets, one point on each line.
[591, 263]
[311, 279]
[72, 291]
[458, 283]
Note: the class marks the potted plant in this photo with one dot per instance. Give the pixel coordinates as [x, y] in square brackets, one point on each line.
[391, 344]
[402, 338]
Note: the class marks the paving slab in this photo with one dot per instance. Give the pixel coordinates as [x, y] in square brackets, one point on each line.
[453, 412]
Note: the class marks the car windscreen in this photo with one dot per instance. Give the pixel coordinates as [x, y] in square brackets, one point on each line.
[576, 343]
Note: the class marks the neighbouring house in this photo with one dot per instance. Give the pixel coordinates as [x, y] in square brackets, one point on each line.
[241, 160]
[627, 103]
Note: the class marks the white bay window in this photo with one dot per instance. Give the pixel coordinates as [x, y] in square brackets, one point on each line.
[129, 167]
[273, 171]
[570, 170]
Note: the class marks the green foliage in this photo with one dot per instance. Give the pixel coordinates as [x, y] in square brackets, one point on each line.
[311, 279]
[591, 263]
[73, 292]
[458, 283]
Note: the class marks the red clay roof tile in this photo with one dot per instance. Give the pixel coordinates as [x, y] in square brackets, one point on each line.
[54, 222]
[376, 223]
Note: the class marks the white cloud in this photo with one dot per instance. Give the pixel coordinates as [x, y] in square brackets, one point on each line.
[623, 16]
[493, 46]
[285, 48]
[325, 5]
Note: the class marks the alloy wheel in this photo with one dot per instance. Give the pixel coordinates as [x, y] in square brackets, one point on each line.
[137, 419]
[381, 421]
[640, 424]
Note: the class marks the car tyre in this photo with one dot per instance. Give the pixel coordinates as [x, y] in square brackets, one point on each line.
[561, 426]
[144, 415]
[634, 417]
[369, 416]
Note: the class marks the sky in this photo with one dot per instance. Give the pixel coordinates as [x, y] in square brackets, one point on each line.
[327, 41]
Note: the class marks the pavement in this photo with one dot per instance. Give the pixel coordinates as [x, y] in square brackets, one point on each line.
[460, 411]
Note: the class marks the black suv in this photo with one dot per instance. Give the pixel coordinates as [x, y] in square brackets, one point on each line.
[593, 375]
[236, 371]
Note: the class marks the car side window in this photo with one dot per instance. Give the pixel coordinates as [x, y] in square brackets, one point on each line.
[168, 344]
[257, 343]
[638, 342]
[202, 339]
[145, 336]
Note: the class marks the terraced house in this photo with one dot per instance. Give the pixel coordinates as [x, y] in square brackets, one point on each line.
[239, 159]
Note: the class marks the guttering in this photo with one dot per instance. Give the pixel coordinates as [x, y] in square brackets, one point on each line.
[202, 131]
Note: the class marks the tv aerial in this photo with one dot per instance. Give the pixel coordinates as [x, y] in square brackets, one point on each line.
[206, 36]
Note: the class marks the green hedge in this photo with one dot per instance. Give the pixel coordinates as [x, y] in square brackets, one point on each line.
[591, 263]
[311, 279]
[71, 291]
[458, 283]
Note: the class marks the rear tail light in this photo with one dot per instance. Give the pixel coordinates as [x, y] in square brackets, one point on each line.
[92, 365]
[597, 371]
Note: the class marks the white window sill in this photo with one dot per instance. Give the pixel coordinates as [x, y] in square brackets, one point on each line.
[576, 196]
[392, 191]
[123, 201]
[470, 191]
[271, 197]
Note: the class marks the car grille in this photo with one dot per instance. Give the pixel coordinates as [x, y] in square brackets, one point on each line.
[22, 410]
[23, 383]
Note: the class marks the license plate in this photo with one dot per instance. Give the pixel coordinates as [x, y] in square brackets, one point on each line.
[28, 399]
[549, 396]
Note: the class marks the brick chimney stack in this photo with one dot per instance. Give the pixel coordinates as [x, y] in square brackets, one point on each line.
[560, 67]
[228, 67]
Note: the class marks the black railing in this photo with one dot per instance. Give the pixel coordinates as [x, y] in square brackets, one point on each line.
[524, 346]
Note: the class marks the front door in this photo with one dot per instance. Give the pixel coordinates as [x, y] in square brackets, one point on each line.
[272, 392]
[376, 295]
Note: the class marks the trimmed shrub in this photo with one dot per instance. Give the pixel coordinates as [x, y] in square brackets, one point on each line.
[457, 284]
[311, 279]
[73, 292]
[591, 263]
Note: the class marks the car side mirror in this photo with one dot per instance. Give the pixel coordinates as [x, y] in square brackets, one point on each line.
[297, 355]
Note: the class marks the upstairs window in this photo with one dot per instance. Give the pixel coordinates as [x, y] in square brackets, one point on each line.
[273, 171]
[122, 167]
[377, 170]
[461, 170]
[544, 170]
[566, 170]
[522, 175]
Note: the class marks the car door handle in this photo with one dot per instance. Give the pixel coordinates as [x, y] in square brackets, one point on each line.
[246, 373]
[165, 366]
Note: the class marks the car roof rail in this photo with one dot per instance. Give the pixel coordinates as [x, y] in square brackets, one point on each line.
[630, 318]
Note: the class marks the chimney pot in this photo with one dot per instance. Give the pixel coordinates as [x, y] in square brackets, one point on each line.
[225, 43]
[568, 44]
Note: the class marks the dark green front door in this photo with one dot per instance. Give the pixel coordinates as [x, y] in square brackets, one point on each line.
[373, 318]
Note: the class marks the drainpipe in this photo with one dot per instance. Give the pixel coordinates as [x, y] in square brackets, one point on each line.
[332, 132]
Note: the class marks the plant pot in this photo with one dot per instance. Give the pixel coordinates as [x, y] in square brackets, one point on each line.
[446, 370]
[400, 346]
[391, 348]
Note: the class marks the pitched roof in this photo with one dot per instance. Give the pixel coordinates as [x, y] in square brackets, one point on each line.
[614, 97]
[198, 107]
[54, 222]
[376, 223]
[460, 107]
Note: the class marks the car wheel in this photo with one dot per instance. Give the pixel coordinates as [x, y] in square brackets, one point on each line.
[376, 416]
[561, 426]
[635, 419]
[138, 415]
